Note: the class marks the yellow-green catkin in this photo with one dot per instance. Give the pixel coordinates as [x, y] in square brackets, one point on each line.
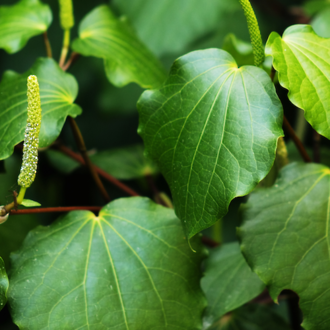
[66, 14]
[31, 139]
[257, 45]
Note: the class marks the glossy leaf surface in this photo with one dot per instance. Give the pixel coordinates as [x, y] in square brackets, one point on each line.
[129, 268]
[228, 282]
[302, 60]
[4, 284]
[126, 58]
[58, 91]
[30, 203]
[212, 130]
[20, 22]
[285, 238]
[125, 163]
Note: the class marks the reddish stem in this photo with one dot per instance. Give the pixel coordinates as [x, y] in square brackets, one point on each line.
[56, 209]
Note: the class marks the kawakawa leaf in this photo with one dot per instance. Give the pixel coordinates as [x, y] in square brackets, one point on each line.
[285, 238]
[302, 60]
[20, 22]
[58, 91]
[228, 282]
[126, 58]
[212, 129]
[4, 284]
[129, 268]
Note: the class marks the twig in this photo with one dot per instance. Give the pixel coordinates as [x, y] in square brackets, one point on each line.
[104, 174]
[82, 148]
[288, 128]
[65, 48]
[316, 147]
[56, 209]
[47, 45]
[209, 242]
[73, 58]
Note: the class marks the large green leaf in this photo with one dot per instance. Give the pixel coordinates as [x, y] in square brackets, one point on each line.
[302, 60]
[126, 58]
[228, 282]
[212, 130]
[125, 163]
[20, 22]
[321, 23]
[168, 26]
[58, 91]
[129, 268]
[285, 238]
[4, 284]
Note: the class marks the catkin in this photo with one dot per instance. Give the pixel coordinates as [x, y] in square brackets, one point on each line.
[66, 14]
[257, 45]
[31, 139]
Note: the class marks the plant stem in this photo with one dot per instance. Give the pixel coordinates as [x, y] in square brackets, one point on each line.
[209, 242]
[56, 209]
[73, 58]
[65, 47]
[82, 148]
[288, 128]
[17, 201]
[316, 147]
[104, 174]
[21, 195]
[47, 45]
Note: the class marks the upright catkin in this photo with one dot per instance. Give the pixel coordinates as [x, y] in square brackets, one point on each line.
[31, 139]
[257, 45]
[66, 14]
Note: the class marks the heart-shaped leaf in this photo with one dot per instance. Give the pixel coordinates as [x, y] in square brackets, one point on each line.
[129, 268]
[58, 91]
[285, 238]
[126, 58]
[302, 60]
[20, 22]
[228, 282]
[212, 130]
[4, 284]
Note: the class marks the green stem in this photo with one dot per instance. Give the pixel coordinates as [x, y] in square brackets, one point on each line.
[255, 35]
[65, 47]
[18, 200]
[21, 195]
[217, 231]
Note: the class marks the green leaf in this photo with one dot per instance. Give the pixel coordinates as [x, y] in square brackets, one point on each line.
[58, 91]
[22, 21]
[125, 163]
[228, 282]
[212, 130]
[126, 58]
[4, 284]
[285, 238]
[320, 23]
[30, 203]
[128, 268]
[61, 162]
[170, 26]
[302, 60]
[252, 317]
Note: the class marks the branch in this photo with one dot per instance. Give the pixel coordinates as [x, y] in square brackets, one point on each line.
[104, 174]
[47, 45]
[73, 58]
[56, 209]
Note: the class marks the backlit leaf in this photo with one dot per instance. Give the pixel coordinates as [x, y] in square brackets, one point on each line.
[129, 268]
[20, 22]
[212, 130]
[3, 284]
[126, 58]
[285, 238]
[30, 203]
[58, 91]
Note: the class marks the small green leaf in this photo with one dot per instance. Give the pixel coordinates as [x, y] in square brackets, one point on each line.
[285, 238]
[126, 58]
[58, 91]
[20, 22]
[302, 60]
[125, 163]
[30, 203]
[228, 282]
[129, 268]
[4, 284]
[212, 130]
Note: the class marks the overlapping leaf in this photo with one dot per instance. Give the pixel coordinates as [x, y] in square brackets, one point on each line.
[129, 268]
[285, 238]
[58, 91]
[212, 130]
[302, 60]
[20, 22]
[228, 282]
[126, 58]
[4, 284]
